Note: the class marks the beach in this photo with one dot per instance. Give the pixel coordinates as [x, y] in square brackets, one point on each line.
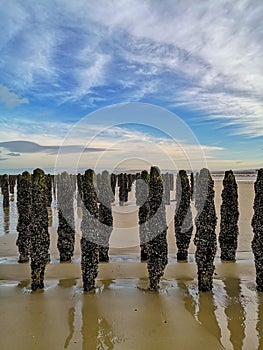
[122, 313]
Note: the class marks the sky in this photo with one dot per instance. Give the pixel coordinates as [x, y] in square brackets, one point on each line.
[127, 84]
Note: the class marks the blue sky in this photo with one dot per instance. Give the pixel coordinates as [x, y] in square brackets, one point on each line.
[201, 60]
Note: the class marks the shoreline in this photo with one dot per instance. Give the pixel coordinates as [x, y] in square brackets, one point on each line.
[11, 270]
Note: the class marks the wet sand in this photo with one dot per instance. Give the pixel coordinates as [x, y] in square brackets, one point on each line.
[121, 313]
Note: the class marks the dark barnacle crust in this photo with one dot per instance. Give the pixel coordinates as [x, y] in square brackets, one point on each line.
[106, 197]
[183, 222]
[257, 225]
[90, 231]
[228, 234]
[157, 249]
[5, 190]
[123, 188]
[66, 227]
[205, 237]
[40, 240]
[141, 193]
[24, 203]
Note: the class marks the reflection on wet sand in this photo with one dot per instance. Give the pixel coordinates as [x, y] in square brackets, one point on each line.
[71, 316]
[206, 314]
[96, 332]
[259, 326]
[235, 313]
[190, 302]
[23, 284]
[6, 220]
[202, 306]
[67, 283]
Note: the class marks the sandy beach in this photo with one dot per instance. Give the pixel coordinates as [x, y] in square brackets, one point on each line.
[122, 313]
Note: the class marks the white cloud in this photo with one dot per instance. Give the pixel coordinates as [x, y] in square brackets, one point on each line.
[9, 98]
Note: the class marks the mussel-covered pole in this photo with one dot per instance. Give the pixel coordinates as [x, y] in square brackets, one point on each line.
[12, 183]
[183, 222]
[228, 234]
[257, 225]
[24, 197]
[157, 249]
[73, 178]
[141, 193]
[49, 189]
[79, 189]
[171, 178]
[106, 197]
[205, 237]
[129, 182]
[40, 240]
[97, 183]
[54, 187]
[5, 190]
[89, 228]
[196, 185]
[192, 185]
[74, 185]
[123, 188]
[66, 226]
[166, 188]
[113, 180]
